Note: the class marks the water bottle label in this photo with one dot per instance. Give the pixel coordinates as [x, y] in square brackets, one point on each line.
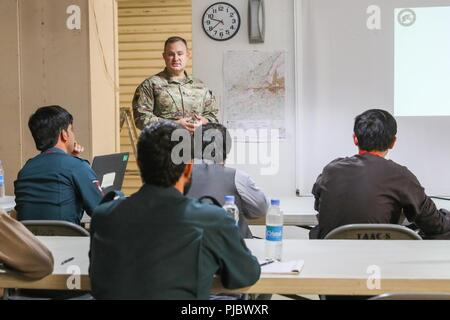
[274, 233]
[1, 181]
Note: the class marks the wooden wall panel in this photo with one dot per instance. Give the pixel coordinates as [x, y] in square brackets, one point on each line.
[144, 25]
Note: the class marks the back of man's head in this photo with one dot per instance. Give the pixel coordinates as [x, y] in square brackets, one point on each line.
[375, 130]
[155, 153]
[214, 140]
[46, 125]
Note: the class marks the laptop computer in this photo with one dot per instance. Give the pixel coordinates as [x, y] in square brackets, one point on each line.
[110, 170]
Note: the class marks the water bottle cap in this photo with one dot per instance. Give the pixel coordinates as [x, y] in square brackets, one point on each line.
[275, 202]
[229, 199]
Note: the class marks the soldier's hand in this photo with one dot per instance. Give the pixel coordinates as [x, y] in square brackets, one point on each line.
[187, 124]
[197, 124]
[200, 119]
[77, 149]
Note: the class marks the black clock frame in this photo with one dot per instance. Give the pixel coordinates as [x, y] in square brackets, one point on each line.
[239, 21]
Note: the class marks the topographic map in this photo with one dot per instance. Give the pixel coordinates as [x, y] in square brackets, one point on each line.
[254, 90]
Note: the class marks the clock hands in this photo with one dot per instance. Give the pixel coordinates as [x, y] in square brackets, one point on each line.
[216, 25]
[220, 21]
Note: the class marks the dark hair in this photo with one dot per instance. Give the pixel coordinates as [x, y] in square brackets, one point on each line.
[173, 40]
[154, 151]
[213, 138]
[46, 125]
[375, 130]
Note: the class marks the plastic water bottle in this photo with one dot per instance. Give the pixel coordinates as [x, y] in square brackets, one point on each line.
[231, 208]
[274, 231]
[2, 180]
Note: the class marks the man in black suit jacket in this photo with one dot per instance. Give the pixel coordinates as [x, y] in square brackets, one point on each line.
[159, 244]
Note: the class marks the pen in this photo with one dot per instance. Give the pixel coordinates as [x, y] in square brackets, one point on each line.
[68, 260]
[266, 263]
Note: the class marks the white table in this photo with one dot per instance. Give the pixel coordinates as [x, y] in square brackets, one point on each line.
[351, 267]
[298, 211]
[7, 203]
[331, 267]
[72, 272]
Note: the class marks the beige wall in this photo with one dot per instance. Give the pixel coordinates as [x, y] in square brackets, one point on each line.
[10, 111]
[104, 73]
[55, 65]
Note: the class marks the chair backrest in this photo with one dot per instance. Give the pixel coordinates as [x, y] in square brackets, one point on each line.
[373, 231]
[412, 296]
[55, 228]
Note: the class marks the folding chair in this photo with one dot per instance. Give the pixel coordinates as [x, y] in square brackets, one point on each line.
[369, 231]
[55, 228]
[372, 232]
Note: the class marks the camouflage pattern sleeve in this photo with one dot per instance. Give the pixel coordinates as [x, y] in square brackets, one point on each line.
[143, 103]
[210, 108]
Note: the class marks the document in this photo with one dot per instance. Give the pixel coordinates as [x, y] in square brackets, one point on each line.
[108, 180]
[285, 267]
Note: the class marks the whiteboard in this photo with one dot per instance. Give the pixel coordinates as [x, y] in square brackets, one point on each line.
[343, 69]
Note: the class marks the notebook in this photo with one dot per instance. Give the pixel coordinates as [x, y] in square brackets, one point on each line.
[285, 267]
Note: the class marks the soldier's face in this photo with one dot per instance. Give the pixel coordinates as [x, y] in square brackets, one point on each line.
[176, 57]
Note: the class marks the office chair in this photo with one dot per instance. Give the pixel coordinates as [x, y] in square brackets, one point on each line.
[372, 231]
[54, 228]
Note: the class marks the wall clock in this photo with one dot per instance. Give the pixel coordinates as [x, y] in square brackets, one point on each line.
[221, 21]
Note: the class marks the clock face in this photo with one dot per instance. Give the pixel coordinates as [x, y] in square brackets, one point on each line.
[221, 21]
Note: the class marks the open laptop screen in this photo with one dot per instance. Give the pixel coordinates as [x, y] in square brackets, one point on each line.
[110, 170]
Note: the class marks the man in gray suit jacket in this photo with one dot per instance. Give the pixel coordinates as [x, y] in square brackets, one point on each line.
[212, 178]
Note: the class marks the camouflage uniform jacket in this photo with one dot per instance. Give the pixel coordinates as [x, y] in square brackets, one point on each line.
[161, 97]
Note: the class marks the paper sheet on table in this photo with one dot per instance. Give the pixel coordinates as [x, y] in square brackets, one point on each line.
[285, 267]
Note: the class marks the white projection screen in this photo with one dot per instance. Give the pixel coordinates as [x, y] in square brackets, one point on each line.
[399, 62]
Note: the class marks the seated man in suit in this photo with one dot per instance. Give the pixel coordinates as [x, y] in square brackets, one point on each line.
[160, 244]
[22, 251]
[56, 184]
[212, 178]
[367, 188]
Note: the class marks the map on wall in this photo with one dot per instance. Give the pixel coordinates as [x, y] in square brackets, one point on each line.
[254, 90]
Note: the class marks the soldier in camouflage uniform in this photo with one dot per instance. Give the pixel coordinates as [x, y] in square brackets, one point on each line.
[173, 94]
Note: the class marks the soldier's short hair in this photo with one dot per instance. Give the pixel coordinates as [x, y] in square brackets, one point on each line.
[46, 125]
[173, 40]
